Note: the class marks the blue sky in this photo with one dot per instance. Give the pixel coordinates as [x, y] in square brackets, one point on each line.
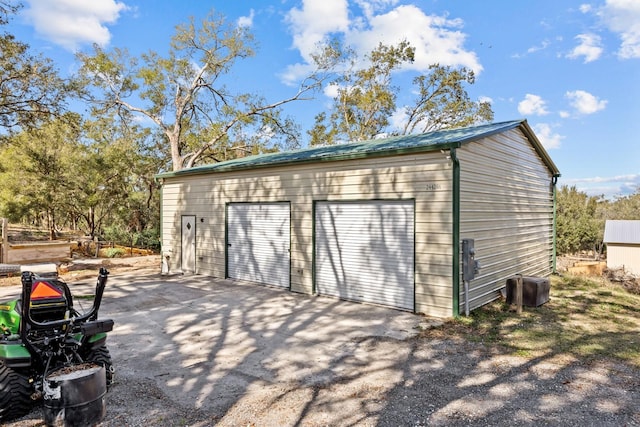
[571, 68]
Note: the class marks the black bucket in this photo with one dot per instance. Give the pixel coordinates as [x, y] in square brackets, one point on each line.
[75, 396]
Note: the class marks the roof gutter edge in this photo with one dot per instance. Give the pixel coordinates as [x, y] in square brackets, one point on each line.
[336, 158]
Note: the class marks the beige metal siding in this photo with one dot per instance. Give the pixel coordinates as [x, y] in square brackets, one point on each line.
[423, 177]
[506, 205]
[624, 256]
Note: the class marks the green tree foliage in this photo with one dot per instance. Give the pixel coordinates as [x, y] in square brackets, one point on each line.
[34, 171]
[366, 97]
[117, 178]
[30, 87]
[85, 176]
[184, 94]
[624, 207]
[579, 227]
[442, 102]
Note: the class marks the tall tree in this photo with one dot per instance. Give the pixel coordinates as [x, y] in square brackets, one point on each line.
[442, 102]
[31, 90]
[366, 98]
[124, 161]
[624, 207]
[184, 94]
[579, 228]
[36, 171]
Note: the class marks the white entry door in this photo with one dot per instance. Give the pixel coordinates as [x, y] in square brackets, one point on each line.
[258, 240]
[188, 256]
[364, 251]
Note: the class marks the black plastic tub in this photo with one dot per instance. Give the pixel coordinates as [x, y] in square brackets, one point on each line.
[75, 396]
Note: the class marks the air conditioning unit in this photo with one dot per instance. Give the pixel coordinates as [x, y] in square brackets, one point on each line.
[535, 291]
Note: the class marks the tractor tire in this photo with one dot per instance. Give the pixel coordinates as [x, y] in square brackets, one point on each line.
[100, 356]
[15, 394]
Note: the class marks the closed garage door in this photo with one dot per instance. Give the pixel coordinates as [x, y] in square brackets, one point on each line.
[258, 238]
[364, 251]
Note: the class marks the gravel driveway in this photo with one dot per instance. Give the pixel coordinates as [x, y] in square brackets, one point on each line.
[196, 351]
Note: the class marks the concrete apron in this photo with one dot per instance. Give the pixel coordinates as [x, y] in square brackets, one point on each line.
[208, 341]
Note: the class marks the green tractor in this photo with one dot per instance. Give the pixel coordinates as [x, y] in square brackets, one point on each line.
[49, 351]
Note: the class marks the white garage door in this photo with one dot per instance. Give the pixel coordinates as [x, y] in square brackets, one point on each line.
[365, 251]
[258, 238]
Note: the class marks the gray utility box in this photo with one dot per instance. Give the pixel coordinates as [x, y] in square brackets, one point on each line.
[535, 291]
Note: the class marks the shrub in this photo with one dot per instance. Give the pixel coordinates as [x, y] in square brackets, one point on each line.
[114, 252]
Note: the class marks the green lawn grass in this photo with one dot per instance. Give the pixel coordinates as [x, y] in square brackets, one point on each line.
[585, 318]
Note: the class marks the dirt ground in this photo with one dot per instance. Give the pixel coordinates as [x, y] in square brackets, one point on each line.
[263, 360]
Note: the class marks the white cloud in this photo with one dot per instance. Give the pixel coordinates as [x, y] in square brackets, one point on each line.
[437, 39]
[564, 114]
[585, 8]
[485, 99]
[71, 23]
[623, 17]
[369, 7]
[247, 21]
[398, 119]
[584, 102]
[315, 21]
[542, 46]
[331, 90]
[547, 137]
[590, 46]
[532, 105]
[618, 178]
[611, 187]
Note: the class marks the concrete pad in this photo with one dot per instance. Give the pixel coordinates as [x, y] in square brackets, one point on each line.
[207, 341]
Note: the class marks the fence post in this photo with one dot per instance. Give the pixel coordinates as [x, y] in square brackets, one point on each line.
[5, 241]
[519, 293]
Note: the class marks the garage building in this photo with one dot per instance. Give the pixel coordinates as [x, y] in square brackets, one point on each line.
[378, 221]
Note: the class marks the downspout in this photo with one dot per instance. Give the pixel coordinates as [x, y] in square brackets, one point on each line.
[456, 232]
[554, 181]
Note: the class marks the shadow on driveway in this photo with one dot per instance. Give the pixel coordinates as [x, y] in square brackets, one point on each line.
[200, 351]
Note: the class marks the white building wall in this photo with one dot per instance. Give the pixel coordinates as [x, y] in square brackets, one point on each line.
[624, 256]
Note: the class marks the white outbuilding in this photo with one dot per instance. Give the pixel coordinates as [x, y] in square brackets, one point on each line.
[378, 221]
[622, 238]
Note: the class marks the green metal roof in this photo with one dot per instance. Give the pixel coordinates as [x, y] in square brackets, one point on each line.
[438, 140]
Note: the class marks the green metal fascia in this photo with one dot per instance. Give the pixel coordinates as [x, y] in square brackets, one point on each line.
[537, 145]
[554, 181]
[226, 240]
[161, 220]
[353, 156]
[456, 233]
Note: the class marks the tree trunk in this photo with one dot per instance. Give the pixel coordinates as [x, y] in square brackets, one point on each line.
[51, 223]
[91, 222]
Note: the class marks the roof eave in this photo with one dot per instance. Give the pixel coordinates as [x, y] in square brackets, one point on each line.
[537, 145]
[336, 158]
